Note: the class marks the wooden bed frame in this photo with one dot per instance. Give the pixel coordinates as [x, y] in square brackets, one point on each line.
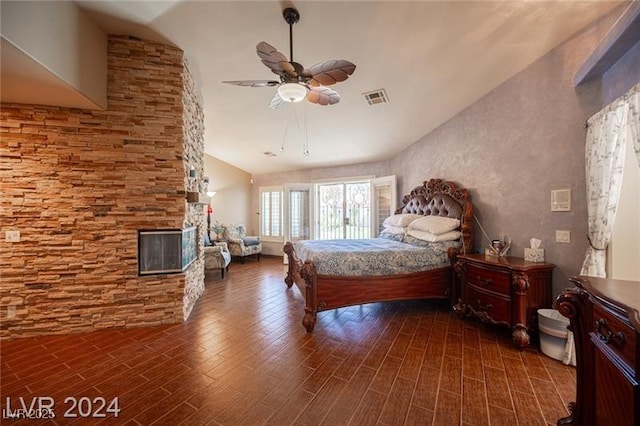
[325, 292]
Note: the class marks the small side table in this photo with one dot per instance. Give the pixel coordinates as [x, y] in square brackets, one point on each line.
[505, 291]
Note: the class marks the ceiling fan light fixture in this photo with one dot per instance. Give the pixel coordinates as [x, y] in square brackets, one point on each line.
[292, 92]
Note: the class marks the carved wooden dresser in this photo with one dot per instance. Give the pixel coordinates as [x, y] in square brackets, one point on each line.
[504, 290]
[604, 318]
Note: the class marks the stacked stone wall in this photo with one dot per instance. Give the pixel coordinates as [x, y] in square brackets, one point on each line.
[79, 184]
[193, 134]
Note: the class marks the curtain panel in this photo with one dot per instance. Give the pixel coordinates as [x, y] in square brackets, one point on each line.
[608, 132]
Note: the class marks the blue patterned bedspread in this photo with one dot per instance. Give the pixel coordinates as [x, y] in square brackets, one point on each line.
[372, 256]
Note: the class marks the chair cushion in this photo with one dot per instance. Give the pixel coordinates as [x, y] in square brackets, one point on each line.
[235, 231]
[248, 241]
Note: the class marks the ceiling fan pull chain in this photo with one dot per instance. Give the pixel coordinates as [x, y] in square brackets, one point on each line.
[295, 111]
[305, 147]
[286, 131]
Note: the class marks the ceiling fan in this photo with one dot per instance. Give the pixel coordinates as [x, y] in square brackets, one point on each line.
[296, 82]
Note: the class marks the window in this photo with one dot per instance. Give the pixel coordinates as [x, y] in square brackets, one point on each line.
[271, 213]
[622, 252]
[384, 200]
[299, 214]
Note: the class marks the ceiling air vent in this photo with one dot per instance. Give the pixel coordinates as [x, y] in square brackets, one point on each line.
[376, 97]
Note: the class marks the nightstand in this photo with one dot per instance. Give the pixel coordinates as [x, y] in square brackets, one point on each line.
[505, 291]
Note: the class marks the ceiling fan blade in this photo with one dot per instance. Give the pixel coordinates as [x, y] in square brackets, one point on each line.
[276, 101]
[323, 96]
[254, 83]
[331, 72]
[275, 60]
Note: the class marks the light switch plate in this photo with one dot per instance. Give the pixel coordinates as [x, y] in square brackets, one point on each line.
[12, 236]
[561, 200]
[563, 236]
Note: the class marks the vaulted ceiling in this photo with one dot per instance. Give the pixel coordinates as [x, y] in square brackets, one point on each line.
[432, 58]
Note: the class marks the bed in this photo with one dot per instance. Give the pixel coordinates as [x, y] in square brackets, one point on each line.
[337, 275]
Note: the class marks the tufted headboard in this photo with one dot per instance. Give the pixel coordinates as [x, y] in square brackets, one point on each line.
[442, 198]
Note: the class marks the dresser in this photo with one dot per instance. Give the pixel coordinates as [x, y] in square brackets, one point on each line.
[604, 319]
[504, 290]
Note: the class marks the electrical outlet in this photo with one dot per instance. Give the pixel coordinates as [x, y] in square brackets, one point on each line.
[563, 236]
[12, 236]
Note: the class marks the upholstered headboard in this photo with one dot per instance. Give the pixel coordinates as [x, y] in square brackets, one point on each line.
[439, 205]
[442, 198]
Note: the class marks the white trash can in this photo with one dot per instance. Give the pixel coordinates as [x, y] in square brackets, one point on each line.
[553, 333]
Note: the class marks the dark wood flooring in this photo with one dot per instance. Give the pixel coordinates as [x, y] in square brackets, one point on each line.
[244, 358]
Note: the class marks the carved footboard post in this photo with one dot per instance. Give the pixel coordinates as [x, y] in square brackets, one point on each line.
[310, 277]
[292, 264]
[304, 275]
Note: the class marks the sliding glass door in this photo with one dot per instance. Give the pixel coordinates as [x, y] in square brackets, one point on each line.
[344, 210]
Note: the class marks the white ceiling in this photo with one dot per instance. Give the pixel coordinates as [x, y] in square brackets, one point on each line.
[433, 58]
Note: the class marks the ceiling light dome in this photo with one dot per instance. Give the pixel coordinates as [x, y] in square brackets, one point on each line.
[292, 92]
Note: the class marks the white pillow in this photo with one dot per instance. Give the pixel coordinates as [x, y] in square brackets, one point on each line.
[433, 238]
[435, 224]
[401, 220]
[395, 230]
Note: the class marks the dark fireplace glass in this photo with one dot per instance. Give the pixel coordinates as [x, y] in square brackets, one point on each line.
[166, 251]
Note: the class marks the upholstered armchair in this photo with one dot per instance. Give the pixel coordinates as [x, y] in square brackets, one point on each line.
[240, 244]
[217, 256]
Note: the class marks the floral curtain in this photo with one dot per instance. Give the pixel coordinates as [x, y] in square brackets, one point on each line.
[608, 133]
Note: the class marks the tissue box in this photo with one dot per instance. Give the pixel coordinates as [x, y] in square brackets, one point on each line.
[533, 255]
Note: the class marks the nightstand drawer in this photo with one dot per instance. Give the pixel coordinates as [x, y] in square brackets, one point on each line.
[618, 336]
[495, 281]
[496, 308]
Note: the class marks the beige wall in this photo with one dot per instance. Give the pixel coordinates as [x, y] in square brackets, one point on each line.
[232, 202]
[60, 38]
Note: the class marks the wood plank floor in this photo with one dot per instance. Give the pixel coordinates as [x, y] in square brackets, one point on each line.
[244, 358]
